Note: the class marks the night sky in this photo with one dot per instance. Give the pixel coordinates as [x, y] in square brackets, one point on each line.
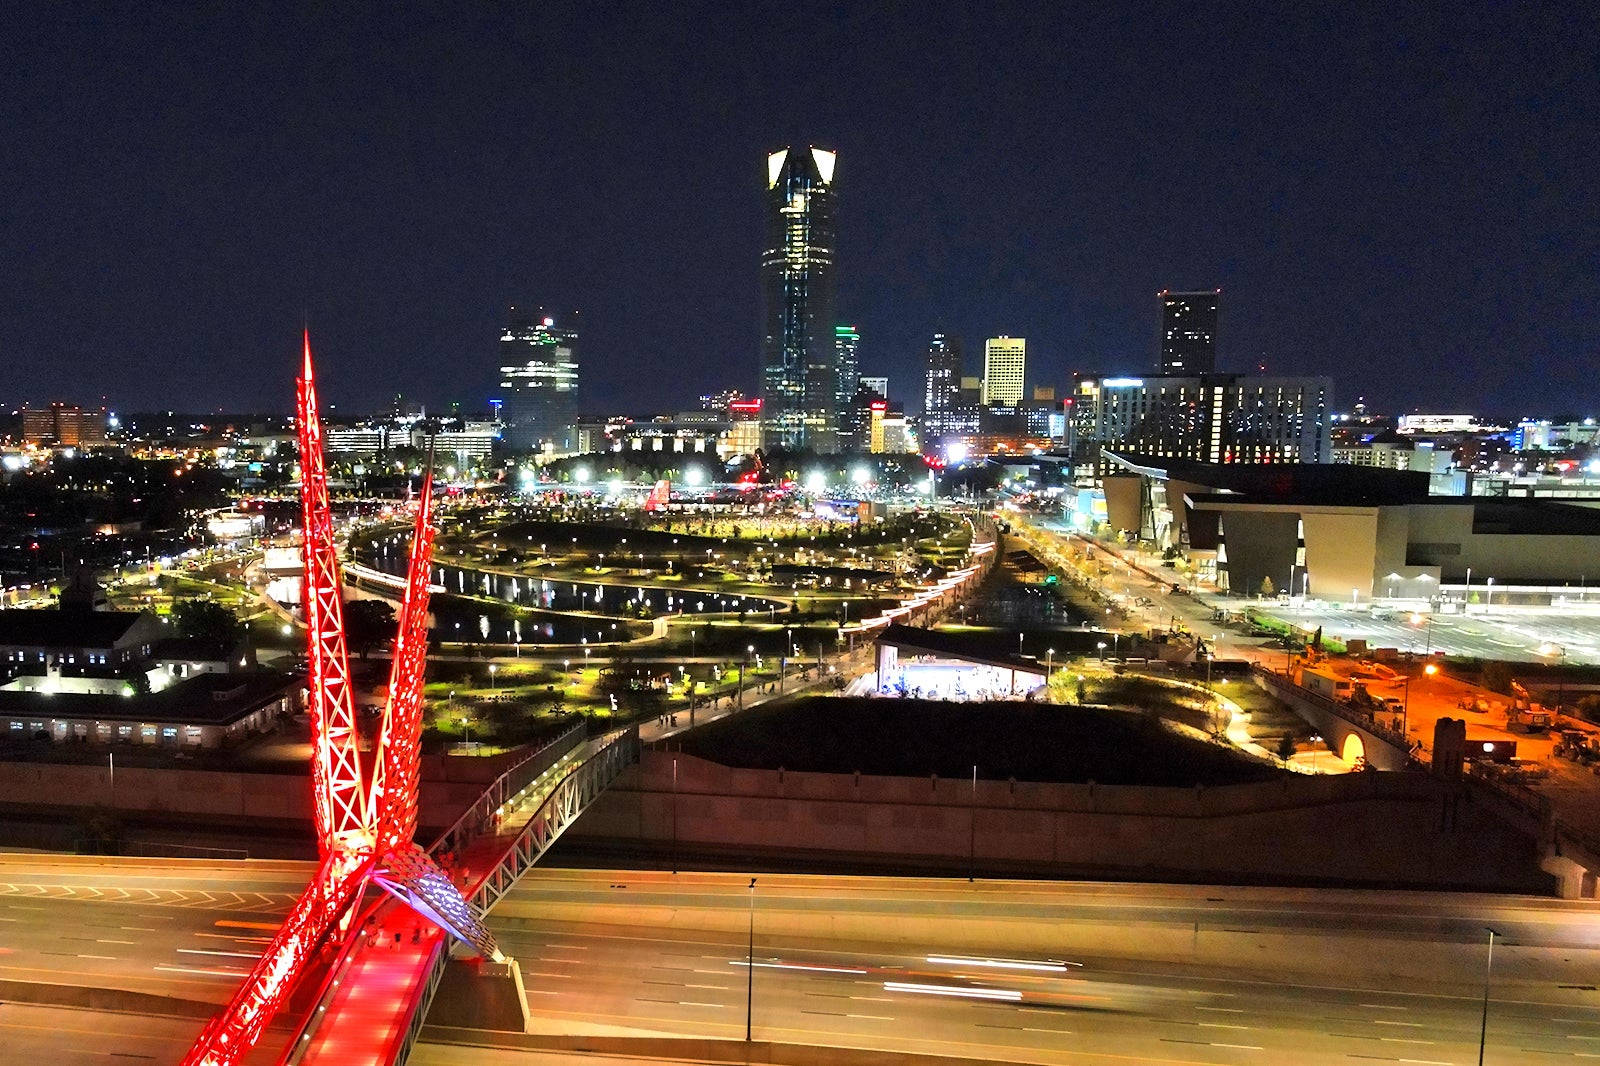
[1402, 199]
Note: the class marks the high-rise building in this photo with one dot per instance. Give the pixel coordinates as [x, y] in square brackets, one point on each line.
[1189, 331]
[1208, 418]
[876, 382]
[1003, 363]
[63, 425]
[800, 380]
[539, 379]
[846, 354]
[943, 380]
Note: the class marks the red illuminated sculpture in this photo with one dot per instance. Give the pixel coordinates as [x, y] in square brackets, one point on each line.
[364, 827]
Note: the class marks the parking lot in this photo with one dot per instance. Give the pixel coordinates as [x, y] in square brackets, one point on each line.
[1516, 634]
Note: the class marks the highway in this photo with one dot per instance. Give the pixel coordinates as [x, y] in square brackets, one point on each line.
[184, 930]
[1012, 971]
[1055, 973]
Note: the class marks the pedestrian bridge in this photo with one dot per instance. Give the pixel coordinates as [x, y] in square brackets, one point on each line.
[374, 997]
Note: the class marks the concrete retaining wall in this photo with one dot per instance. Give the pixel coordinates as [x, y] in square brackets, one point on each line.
[221, 796]
[1352, 829]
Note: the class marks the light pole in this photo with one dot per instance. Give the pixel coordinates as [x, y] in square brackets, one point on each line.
[750, 967]
[744, 667]
[1488, 973]
[491, 681]
[1049, 661]
[1102, 647]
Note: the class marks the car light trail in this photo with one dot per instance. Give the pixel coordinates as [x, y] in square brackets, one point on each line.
[1003, 964]
[797, 966]
[1006, 994]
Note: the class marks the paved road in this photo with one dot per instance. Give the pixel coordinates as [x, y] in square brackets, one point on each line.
[63, 1036]
[185, 930]
[181, 928]
[1038, 972]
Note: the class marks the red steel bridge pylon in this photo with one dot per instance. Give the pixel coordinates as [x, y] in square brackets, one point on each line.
[364, 824]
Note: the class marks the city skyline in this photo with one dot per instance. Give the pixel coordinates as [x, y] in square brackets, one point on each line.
[151, 249]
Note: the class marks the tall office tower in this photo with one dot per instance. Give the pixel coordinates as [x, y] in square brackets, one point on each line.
[877, 383]
[800, 381]
[539, 376]
[1189, 331]
[943, 381]
[1003, 359]
[847, 356]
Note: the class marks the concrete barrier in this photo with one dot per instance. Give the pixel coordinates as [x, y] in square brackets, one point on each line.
[1352, 829]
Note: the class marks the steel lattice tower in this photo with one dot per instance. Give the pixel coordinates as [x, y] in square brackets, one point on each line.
[364, 827]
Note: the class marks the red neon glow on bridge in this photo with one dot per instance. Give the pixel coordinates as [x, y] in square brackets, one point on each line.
[364, 827]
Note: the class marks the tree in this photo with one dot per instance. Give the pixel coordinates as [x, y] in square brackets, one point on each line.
[1286, 747]
[1083, 691]
[206, 620]
[368, 624]
[1267, 588]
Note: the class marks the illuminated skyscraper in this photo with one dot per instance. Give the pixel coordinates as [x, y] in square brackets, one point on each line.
[539, 379]
[942, 383]
[1003, 363]
[846, 352]
[800, 381]
[1189, 331]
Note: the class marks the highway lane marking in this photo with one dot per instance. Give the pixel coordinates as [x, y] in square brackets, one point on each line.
[822, 1035]
[229, 954]
[116, 941]
[91, 1032]
[111, 958]
[1223, 1010]
[1382, 1006]
[209, 973]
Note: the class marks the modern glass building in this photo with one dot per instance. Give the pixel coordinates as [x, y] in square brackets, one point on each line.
[1189, 331]
[800, 380]
[539, 380]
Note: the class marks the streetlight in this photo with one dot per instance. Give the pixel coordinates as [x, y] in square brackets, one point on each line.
[1102, 646]
[1049, 659]
[491, 680]
[1488, 973]
[744, 666]
[750, 966]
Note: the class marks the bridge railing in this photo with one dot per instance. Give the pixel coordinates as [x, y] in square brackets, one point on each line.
[559, 810]
[1338, 709]
[473, 822]
[504, 789]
